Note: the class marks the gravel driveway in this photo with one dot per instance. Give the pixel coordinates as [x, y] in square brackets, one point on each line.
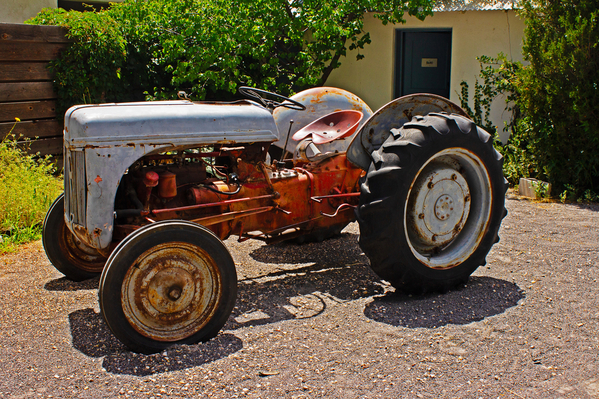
[313, 321]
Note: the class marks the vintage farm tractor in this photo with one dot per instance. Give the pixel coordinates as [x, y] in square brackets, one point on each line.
[151, 189]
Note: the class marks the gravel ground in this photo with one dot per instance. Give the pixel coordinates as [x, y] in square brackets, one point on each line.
[313, 321]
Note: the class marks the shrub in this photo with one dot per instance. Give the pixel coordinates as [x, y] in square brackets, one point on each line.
[559, 94]
[27, 189]
[555, 127]
[93, 69]
[159, 47]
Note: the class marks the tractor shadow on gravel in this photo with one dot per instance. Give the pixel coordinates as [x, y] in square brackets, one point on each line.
[480, 298]
[341, 273]
[64, 284]
[297, 293]
[92, 337]
[342, 248]
[337, 272]
[300, 293]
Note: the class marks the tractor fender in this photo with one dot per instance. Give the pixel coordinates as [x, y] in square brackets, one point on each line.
[393, 115]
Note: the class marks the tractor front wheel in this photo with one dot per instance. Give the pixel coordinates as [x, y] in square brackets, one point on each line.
[432, 203]
[171, 282]
[68, 254]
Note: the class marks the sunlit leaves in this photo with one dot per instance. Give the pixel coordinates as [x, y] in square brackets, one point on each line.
[555, 134]
[210, 47]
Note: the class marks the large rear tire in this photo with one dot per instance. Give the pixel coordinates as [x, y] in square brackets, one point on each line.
[68, 254]
[171, 282]
[432, 203]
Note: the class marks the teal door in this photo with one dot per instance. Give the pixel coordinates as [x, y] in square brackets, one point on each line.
[422, 62]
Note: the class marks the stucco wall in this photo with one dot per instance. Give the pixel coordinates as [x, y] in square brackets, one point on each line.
[474, 33]
[17, 11]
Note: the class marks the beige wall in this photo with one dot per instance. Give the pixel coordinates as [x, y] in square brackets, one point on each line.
[474, 33]
[17, 11]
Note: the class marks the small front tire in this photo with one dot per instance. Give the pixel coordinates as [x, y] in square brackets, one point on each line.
[68, 254]
[171, 282]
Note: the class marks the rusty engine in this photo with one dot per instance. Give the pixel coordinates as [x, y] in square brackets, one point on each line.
[232, 191]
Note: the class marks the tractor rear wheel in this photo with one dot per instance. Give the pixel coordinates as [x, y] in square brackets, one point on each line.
[432, 203]
[170, 282]
[68, 254]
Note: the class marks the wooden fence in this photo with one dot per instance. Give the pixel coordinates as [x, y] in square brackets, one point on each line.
[26, 85]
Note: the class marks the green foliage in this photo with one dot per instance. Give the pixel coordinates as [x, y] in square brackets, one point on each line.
[568, 194]
[588, 196]
[27, 189]
[90, 70]
[541, 189]
[162, 46]
[481, 104]
[555, 127]
[558, 93]
[497, 78]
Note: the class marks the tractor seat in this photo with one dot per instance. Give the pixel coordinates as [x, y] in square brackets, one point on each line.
[330, 127]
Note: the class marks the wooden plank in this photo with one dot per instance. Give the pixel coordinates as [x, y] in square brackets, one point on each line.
[50, 146]
[31, 129]
[25, 91]
[30, 110]
[32, 33]
[29, 51]
[24, 71]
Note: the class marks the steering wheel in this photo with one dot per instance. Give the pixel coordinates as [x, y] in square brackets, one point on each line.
[254, 93]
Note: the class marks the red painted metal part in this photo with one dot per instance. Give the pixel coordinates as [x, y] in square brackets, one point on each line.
[270, 202]
[167, 185]
[210, 204]
[330, 127]
[225, 217]
[320, 198]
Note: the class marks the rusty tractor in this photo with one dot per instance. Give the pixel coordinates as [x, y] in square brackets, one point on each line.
[151, 190]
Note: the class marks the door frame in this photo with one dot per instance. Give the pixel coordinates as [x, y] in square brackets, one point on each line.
[398, 61]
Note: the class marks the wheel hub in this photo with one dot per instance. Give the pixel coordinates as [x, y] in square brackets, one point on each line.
[444, 207]
[171, 292]
[440, 208]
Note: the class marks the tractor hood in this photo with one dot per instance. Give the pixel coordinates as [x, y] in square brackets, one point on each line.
[166, 122]
[103, 141]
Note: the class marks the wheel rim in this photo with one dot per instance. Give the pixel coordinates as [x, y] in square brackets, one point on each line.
[171, 291]
[448, 208]
[82, 256]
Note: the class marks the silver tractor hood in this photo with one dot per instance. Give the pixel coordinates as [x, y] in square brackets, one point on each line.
[103, 141]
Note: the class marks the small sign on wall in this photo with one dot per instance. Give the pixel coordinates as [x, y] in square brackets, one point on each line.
[429, 62]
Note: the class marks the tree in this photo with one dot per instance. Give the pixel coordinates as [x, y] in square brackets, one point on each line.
[210, 47]
[555, 136]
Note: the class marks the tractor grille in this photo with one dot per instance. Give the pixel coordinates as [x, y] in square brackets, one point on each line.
[75, 186]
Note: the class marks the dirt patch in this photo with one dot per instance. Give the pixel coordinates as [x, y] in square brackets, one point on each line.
[313, 321]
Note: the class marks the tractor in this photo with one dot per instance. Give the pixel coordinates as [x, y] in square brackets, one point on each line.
[151, 190]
